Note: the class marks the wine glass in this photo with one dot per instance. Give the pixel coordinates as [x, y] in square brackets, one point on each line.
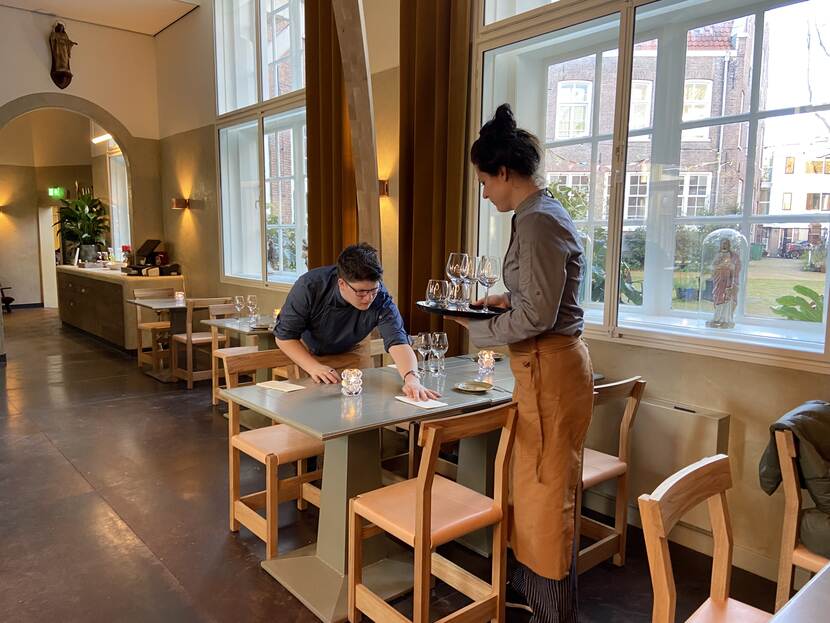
[438, 292]
[440, 344]
[238, 303]
[487, 274]
[423, 344]
[458, 267]
[253, 308]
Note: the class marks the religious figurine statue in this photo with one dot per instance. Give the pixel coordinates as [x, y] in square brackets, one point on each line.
[726, 277]
[61, 46]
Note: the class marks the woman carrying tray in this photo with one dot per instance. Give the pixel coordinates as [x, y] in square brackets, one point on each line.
[554, 386]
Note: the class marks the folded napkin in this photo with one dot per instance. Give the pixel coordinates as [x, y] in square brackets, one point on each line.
[423, 404]
[283, 386]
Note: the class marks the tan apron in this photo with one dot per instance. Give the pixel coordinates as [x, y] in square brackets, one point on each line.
[554, 389]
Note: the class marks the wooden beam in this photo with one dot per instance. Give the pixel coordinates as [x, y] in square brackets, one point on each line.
[357, 79]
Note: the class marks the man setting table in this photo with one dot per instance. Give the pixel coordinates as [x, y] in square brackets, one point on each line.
[330, 310]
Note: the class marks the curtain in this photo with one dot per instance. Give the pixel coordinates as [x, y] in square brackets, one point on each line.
[332, 194]
[435, 72]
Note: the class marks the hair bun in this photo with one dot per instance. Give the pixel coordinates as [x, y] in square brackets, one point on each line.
[503, 123]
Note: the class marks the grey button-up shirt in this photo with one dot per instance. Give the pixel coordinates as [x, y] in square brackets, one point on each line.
[542, 273]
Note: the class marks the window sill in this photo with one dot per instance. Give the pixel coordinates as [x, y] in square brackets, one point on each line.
[684, 339]
[257, 284]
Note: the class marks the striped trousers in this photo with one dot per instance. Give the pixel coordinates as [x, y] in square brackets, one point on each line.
[552, 601]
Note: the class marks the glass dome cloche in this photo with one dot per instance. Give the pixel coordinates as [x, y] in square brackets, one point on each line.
[724, 258]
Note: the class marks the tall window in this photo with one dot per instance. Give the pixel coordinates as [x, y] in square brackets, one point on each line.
[262, 149]
[119, 199]
[726, 101]
[573, 105]
[697, 104]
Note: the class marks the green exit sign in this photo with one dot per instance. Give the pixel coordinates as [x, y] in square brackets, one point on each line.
[57, 192]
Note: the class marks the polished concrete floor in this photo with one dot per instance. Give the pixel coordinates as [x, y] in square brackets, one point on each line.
[113, 503]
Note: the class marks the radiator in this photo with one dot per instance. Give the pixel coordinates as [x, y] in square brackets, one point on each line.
[666, 438]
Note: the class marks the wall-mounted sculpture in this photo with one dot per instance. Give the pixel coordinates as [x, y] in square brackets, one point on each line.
[61, 46]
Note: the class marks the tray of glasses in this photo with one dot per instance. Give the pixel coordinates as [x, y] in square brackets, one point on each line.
[473, 311]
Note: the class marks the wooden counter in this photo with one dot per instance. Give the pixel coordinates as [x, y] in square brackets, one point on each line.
[94, 300]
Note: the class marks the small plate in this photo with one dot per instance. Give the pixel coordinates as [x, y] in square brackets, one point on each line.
[473, 387]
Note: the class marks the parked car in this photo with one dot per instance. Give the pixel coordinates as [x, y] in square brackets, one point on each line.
[795, 250]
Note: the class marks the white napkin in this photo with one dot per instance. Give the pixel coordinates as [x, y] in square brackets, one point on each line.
[423, 404]
[391, 365]
[283, 386]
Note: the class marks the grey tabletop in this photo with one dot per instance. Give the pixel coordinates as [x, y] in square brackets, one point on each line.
[323, 412]
[242, 325]
[811, 603]
[159, 304]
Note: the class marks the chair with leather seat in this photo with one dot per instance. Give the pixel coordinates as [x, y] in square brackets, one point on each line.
[599, 467]
[157, 328]
[430, 510]
[793, 552]
[272, 446]
[192, 341]
[704, 481]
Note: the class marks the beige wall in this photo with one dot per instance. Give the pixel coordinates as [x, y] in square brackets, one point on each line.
[112, 68]
[22, 192]
[386, 96]
[43, 138]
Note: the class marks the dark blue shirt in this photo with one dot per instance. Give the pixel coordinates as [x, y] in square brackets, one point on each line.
[329, 325]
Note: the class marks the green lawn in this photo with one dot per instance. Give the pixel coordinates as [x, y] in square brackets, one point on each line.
[768, 279]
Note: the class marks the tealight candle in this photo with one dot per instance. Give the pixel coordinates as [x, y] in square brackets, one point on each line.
[276, 313]
[179, 297]
[352, 382]
[486, 361]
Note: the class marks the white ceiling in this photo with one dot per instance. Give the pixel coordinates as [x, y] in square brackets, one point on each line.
[142, 16]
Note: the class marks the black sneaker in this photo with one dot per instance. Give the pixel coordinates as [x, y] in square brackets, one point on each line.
[514, 599]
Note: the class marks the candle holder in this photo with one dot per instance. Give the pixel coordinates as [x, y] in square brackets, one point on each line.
[486, 362]
[179, 296]
[351, 407]
[352, 382]
[276, 313]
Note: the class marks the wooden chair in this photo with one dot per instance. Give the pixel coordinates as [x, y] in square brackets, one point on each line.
[429, 510]
[6, 299]
[272, 446]
[192, 340]
[598, 467]
[793, 553]
[707, 480]
[223, 310]
[157, 328]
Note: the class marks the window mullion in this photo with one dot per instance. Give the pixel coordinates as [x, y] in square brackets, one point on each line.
[616, 198]
[263, 238]
[258, 60]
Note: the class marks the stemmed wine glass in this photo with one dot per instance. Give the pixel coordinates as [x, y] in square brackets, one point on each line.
[253, 308]
[238, 303]
[423, 344]
[487, 274]
[438, 291]
[439, 348]
[459, 269]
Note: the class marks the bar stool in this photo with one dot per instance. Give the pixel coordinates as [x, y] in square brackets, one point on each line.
[156, 328]
[707, 480]
[428, 511]
[598, 467]
[272, 446]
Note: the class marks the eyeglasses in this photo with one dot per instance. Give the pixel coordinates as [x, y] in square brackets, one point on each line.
[362, 293]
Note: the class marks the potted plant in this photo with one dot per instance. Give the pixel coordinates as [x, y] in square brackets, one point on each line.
[84, 222]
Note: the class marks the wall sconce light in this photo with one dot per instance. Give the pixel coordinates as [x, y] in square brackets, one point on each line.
[179, 203]
[383, 188]
[101, 138]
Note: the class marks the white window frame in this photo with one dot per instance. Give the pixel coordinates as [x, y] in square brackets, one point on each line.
[555, 17]
[647, 102]
[643, 181]
[701, 133]
[564, 104]
[287, 103]
[685, 185]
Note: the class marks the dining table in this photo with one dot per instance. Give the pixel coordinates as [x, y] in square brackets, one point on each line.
[349, 428]
[811, 603]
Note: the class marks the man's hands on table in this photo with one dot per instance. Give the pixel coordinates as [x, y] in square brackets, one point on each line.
[412, 388]
[321, 373]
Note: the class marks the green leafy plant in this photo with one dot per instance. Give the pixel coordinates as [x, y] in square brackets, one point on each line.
[809, 306]
[576, 204]
[82, 220]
